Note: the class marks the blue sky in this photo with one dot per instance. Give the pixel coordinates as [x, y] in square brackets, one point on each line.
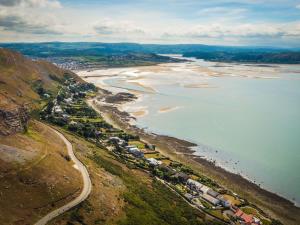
[221, 22]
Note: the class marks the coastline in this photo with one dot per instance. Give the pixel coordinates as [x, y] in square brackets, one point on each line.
[180, 150]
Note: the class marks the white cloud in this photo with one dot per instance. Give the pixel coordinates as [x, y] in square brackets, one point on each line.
[31, 3]
[110, 27]
[43, 3]
[221, 11]
[29, 16]
[28, 20]
[217, 30]
[298, 6]
[9, 2]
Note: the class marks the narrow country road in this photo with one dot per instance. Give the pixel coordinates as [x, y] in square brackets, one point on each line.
[87, 185]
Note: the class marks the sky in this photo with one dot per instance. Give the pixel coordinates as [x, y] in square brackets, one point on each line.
[215, 22]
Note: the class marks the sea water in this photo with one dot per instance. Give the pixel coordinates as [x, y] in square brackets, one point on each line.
[245, 117]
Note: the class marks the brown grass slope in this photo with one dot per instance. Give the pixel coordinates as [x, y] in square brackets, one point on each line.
[35, 174]
[18, 75]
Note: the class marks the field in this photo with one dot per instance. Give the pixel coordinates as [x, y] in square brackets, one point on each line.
[153, 155]
[138, 144]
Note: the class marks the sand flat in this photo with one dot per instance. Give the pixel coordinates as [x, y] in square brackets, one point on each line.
[168, 109]
[199, 85]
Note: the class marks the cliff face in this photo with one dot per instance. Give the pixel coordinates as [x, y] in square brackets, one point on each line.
[13, 120]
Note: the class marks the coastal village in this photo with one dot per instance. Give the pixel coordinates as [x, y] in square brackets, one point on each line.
[70, 111]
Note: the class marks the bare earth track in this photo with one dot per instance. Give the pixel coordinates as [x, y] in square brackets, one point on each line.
[87, 185]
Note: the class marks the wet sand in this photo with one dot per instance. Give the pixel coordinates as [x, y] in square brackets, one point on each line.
[167, 109]
[139, 113]
[139, 84]
[200, 85]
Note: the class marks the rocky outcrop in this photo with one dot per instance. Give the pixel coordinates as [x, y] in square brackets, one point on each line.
[120, 98]
[13, 120]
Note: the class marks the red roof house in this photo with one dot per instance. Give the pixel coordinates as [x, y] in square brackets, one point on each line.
[248, 219]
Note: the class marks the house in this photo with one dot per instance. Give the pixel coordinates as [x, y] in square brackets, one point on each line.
[132, 149]
[68, 100]
[181, 177]
[65, 116]
[117, 140]
[204, 189]
[129, 147]
[194, 185]
[188, 196]
[73, 122]
[213, 193]
[245, 218]
[154, 162]
[136, 152]
[57, 109]
[210, 199]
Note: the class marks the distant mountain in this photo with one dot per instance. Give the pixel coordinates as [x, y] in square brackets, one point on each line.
[248, 57]
[93, 54]
[60, 49]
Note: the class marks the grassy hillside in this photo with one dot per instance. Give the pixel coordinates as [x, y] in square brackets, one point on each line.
[247, 57]
[23, 81]
[124, 195]
[35, 175]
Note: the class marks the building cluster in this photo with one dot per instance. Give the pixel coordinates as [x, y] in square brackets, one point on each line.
[244, 217]
[206, 193]
[199, 190]
[134, 150]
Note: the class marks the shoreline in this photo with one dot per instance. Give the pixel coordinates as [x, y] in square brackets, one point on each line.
[180, 150]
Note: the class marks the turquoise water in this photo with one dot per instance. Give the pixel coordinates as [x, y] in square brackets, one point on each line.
[249, 126]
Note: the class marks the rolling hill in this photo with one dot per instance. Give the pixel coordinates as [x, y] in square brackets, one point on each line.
[35, 173]
[24, 81]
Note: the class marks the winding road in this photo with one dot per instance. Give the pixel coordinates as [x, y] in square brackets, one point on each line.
[87, 185]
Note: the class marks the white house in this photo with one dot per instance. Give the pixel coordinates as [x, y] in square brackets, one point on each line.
[68, 100]
[194, 185]
[154, 162]
[204, 189]
[136, 152]
[210, 199]
[57, 109]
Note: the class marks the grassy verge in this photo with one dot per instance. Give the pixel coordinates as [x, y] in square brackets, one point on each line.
[148, 201]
